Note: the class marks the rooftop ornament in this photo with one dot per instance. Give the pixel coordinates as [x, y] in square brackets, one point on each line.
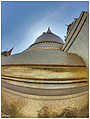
[49, 30]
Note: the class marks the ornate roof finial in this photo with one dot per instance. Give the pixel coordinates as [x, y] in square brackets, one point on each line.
[7, 53]
[48, 31]
[10, 51]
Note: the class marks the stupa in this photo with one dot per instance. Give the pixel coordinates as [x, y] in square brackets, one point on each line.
[45, 74]
[42, 59]
[47, 50]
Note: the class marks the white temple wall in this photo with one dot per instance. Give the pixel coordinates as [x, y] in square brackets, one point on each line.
[77, 41]
[81, 44]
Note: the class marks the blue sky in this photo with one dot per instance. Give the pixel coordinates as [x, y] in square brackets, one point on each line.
[23, 22]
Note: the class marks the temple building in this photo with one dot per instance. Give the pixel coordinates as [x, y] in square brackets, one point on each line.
[77, 37]
[50, 72]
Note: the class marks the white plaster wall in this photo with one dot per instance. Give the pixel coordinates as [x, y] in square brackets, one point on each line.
[81, 44]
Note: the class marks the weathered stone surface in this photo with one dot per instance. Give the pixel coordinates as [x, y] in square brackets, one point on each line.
[34, 106]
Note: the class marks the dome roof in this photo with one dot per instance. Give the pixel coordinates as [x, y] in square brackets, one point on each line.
[49, 37]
